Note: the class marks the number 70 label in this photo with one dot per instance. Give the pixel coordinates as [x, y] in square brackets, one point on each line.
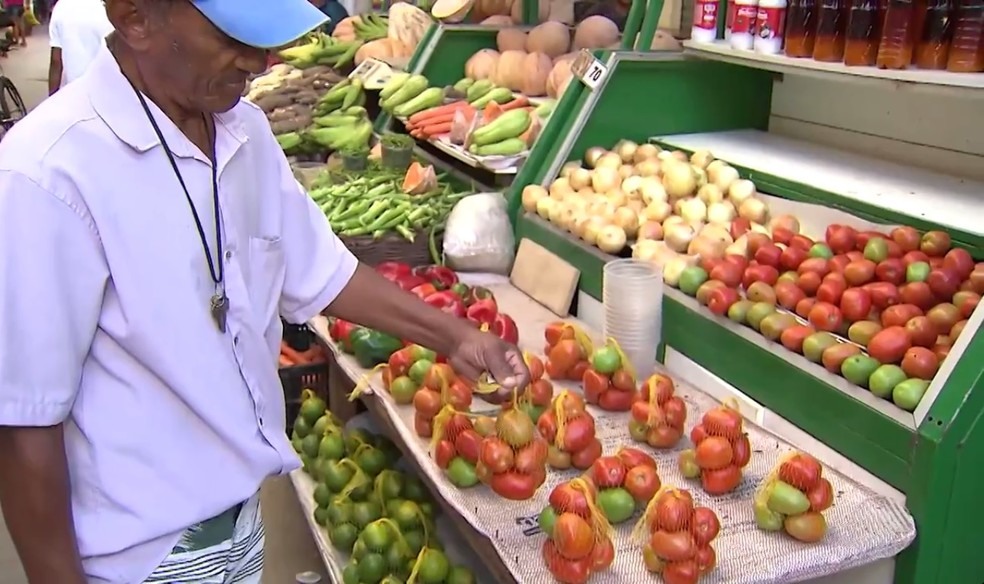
[589, 70]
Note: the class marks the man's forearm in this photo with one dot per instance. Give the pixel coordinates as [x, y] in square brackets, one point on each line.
[54, 81]
[373, 301]
[36, 501]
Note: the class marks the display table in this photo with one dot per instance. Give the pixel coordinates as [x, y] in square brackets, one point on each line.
[864, 526]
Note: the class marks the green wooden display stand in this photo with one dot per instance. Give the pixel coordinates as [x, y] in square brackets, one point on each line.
[935, 463]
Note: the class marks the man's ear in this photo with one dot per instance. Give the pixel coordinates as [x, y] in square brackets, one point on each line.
[133, 20]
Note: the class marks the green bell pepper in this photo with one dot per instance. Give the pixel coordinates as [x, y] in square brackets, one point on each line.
[373, 347]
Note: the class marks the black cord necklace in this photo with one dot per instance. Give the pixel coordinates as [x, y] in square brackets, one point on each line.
[219, 303]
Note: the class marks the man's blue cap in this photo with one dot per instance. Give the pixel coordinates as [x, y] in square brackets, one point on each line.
[262, 23]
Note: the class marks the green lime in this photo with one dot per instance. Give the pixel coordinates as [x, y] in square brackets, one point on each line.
[359, 549]
[414, 490]
[307, 463]
[388, 484]
[356, 437]
[372, 568]
[427, 508]
[321, 516]
[310, 444]
[391, 579]
[296, 442]
[361, 492]
[377, 535]
[350, 575]
[460, 575]
[322, 425]
[322, 495]
[332, 446]
[397, 555]
[312, 408]
[433, 567]
[414, 539]
[407, 515]
[365, 512]
[340, 511]
[336, 475]
[371, 460]
[343, 536]
[301, 427]
[392, 505]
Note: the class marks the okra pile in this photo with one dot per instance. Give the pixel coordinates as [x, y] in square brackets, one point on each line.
[375, 204]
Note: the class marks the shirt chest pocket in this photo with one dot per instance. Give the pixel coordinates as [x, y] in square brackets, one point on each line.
[267, 269]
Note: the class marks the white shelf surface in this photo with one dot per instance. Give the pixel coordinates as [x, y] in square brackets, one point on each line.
[950, 201]
[722, 51]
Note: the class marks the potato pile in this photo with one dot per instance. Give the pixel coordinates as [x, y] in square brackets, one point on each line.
[287, 95]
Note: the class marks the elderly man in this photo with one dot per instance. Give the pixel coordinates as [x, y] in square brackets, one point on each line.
[151, 237]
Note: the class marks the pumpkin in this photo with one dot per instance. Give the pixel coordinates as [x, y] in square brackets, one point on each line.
[543, 11]
[497, 20]
[510, 39]
[550, 38]
[408, 24]
[536, 69]
[565, 57]
[560, 76]
[419, 179]
[345, 29]
[595, 32]
[486, 8]
[382, 49]
[509, 69]
[482, 64]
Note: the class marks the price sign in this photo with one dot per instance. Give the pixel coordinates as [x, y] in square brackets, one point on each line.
[364, 70]
[589, 70]
[373, 73]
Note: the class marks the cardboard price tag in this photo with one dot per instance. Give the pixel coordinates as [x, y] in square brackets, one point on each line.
[589, 70]
[373, 73]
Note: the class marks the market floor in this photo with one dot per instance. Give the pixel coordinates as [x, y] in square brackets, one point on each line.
[289, 547]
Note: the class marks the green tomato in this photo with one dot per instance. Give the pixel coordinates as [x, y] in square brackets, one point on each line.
[310, 445]
[343, 536]
[332, 446]
[356, 437]
[418, 353]
[876, 249]
[917, 272]
[907, 394]
[546, 520]
[415, 540]
[638, 430]
[321, 516]
[408, 516]
[322, 495]
[322, 425]
[313, 408]
[617, 504]
[372, 460]
[403, 389]
[738, 312]
[767, 519]
[419, 369]
[301, 427]
[433, 567]
[414, 490]
[377, 536]
[691, 279]
[461, 473]
[786, 499]
[606, 360]
[336, 475]
[388, 485]
[340, 511]
[350, 575]
[820, 250]
[884, 379]
[372, 569]
[858, 369]
[460, 575]
[365, 512]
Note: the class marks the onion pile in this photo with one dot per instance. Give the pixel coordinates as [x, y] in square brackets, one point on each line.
[670, 207]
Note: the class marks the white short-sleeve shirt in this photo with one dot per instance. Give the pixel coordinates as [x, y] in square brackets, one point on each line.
[79, 28]
[104, 297]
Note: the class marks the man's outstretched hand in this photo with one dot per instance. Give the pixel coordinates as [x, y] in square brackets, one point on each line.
[480, 352]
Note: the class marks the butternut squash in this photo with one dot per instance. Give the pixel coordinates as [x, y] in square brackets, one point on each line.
[536, 69]
[510, 39]
[595, 32]
[482, 65]
[509, 70]
[550, 38]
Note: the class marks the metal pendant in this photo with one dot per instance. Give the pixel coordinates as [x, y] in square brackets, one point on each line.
[220, 309]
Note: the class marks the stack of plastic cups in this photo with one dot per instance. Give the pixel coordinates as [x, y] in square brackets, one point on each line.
[633, 299]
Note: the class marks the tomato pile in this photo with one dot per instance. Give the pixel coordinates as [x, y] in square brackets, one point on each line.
[721, 450]
[658, 416]
[793, 498]
[540, 392]
[569, 429]
[610, 381]
[902, 298]
[455, 446]
[678, 546]
[396, 373]
[625, 482]
[437, 386]
[512, 461]
[567, 351]
[578, 542]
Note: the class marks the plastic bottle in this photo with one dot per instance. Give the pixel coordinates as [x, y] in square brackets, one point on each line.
[831, 25]
[770, 26]
[729, 19]
[933, 45]
[898, 35]
[801, 28]
[704, 29]
[863, 33]
[967, 46]
[743, 27]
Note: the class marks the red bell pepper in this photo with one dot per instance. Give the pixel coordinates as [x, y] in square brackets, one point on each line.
[409, 282]
[483, 311]
[424, 290]
[477, 293]
[504, 327]
[448, 302]
[442, 277]
[341, 332]
[393, 270]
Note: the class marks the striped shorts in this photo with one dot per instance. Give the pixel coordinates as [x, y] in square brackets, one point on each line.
[227, 549]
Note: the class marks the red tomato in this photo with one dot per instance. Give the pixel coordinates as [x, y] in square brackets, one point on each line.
[883, 294]
[607, 472]
[859, 272]
[623, 380]
[681, 573]
[704, 526]
[673, 510]
[573, 536]
[892, 271]
[899, 314]
[721, 299]
[728, 272]
[738, 260]
[831, 290]
[721, 481]
[743, 451]
[556, 331]
[547, 425]
[633, 457]
[824, 316]
[833, 357]
[564, 498]
[821, 496]
[579, 368]
[801, 471]
[841, 238]
[713, 453]
[513, 485]
[531, 457]
[496, 455]
[663, 436]
[642, 482]
[918, 294]
[594, 384]
[723, 421]
[782, 235]
[809, 282]
[563, 570]
[675, 412]
[583, 458]
[792, 257]
[793, 337]
[944, 283]
[443, 453]
[673, 546]
[800, 241]
[540, 392]
[663, 386]
[423, 426]
[855, 255]
[855, 304]
[914, 256]
[906, 237]
[565, 355]
[889, 344]
[935, 243]
[468, 445]
[768, 255]
[921, 331]
[818, 265]
[706, 559]
[959, 261]
[920, 362]
[641, 411]
[838, 263]
[616, 400]
[804, 306]
[698, 434]
[789, 294]
[535, 365]
[602, 555]
[578, 433]
[760, 273]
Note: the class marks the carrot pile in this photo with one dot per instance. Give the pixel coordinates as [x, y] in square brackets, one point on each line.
[290, 357]
[436, 121]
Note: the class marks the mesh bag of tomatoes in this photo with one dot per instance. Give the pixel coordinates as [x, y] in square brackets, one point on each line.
[658, 415]
[677, 537]
[405, 371]
[793, 497]
[513, 460]
[569, 429]
[625, 483]
[439, 387]
[721, 450]
[610, 381]
[455, 446]
[567, 351]
[540, 392]
[579, 542]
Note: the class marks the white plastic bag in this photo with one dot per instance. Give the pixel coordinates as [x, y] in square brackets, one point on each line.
[478, 236]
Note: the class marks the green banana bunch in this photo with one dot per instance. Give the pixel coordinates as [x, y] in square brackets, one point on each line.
[369, 27]
[343, 95]
[339, 54]
[308, 53]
